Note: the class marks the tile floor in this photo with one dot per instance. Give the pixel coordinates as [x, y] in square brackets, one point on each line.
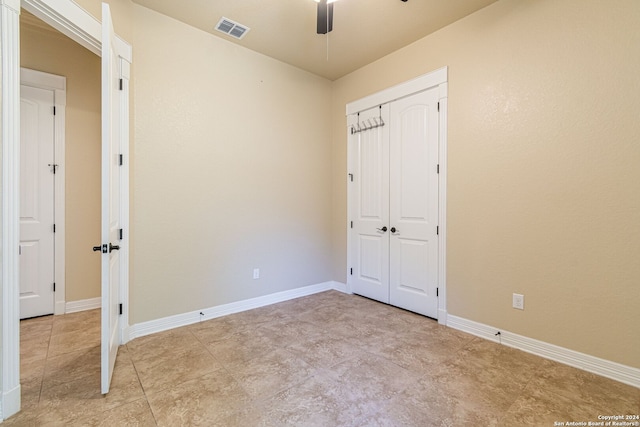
[328, 359]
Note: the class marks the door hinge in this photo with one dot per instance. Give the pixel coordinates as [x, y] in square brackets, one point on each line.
[54, 228]
[121, 84]
[120, 309]
[437, 230]
[351, 177]
[351, 271]
[437, 292]
[438, 106]
[351, 224]
[54, 286]
[54, 110]
[121, 159]
[438, 168]
[121, 234]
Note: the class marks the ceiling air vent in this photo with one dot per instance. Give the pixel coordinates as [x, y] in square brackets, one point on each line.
[232, 28]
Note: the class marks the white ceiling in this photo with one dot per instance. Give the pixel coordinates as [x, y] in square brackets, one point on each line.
[363, 30]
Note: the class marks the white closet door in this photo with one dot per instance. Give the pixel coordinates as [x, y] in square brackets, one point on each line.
[370, 213]
[414, 203]
[36, 202]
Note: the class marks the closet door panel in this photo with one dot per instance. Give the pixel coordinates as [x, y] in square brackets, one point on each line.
[413, 208]
[370, 270]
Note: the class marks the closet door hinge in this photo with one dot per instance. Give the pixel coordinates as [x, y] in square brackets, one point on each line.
[121, 84]
[437, 230]
[120, 309]
[438, 168]
[54, 110]
[54, 286]
[437, 292]
[54, 228]
[351, 224]
[438, 105]
[351, 271]
[351, 177]
[120, 159]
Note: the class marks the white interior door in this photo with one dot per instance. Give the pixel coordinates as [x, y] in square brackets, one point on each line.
[370, 217]
[36, 202]
[413, 181]
[110, 200]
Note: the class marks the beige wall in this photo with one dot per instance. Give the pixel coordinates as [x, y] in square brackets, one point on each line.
[232, 172]
[44, 50]
[121, 14]
[543, 193]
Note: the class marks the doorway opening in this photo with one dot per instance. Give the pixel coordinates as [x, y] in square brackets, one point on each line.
[75, 165]
[60, 197]
[69, 18]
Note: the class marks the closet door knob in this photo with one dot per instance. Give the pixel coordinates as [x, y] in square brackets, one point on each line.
[393, 230]
[113, 248]
[383, 229]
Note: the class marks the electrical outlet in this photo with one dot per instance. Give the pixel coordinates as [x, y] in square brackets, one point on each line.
[256, 273]
[518, 301]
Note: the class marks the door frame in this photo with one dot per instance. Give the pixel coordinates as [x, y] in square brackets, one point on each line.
[70, 19]
[437, 78]
[57, 84]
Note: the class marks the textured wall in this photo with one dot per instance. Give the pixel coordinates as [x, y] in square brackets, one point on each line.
[232, 172]
[45, 50]
[543, 190]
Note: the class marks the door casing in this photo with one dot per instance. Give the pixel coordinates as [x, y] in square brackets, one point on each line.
[437, 78]
[73, 21]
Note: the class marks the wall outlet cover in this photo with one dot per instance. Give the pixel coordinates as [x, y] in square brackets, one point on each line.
[518, 301]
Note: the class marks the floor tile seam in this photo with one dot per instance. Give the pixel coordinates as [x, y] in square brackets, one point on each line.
[181, 381]
[238, 383]
[261, 399]
[258, 398]
[83, 348]
[48, 345]
[177, 353]
[420, 373]
[553, 393]
[144, 391]
[88, 417]
[561, 394]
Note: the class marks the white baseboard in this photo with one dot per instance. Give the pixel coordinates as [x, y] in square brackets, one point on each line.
[615, 371]
[10, 404]
[341, 287]
[83, 304]
[184, 319]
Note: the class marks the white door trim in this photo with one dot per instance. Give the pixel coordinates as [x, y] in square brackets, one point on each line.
[69, 18]
[58, 85]
[437, 78]
[10, 62]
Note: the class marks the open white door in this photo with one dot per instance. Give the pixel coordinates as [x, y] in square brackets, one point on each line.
[111, 171]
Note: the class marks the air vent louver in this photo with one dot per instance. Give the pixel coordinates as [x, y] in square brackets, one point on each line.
[232, 28]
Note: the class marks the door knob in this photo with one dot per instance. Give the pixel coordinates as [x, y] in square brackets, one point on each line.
[393, 230]
[97, 248]
[383, 229]
[113, 248]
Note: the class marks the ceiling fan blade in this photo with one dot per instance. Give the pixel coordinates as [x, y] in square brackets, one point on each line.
[325, 17]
